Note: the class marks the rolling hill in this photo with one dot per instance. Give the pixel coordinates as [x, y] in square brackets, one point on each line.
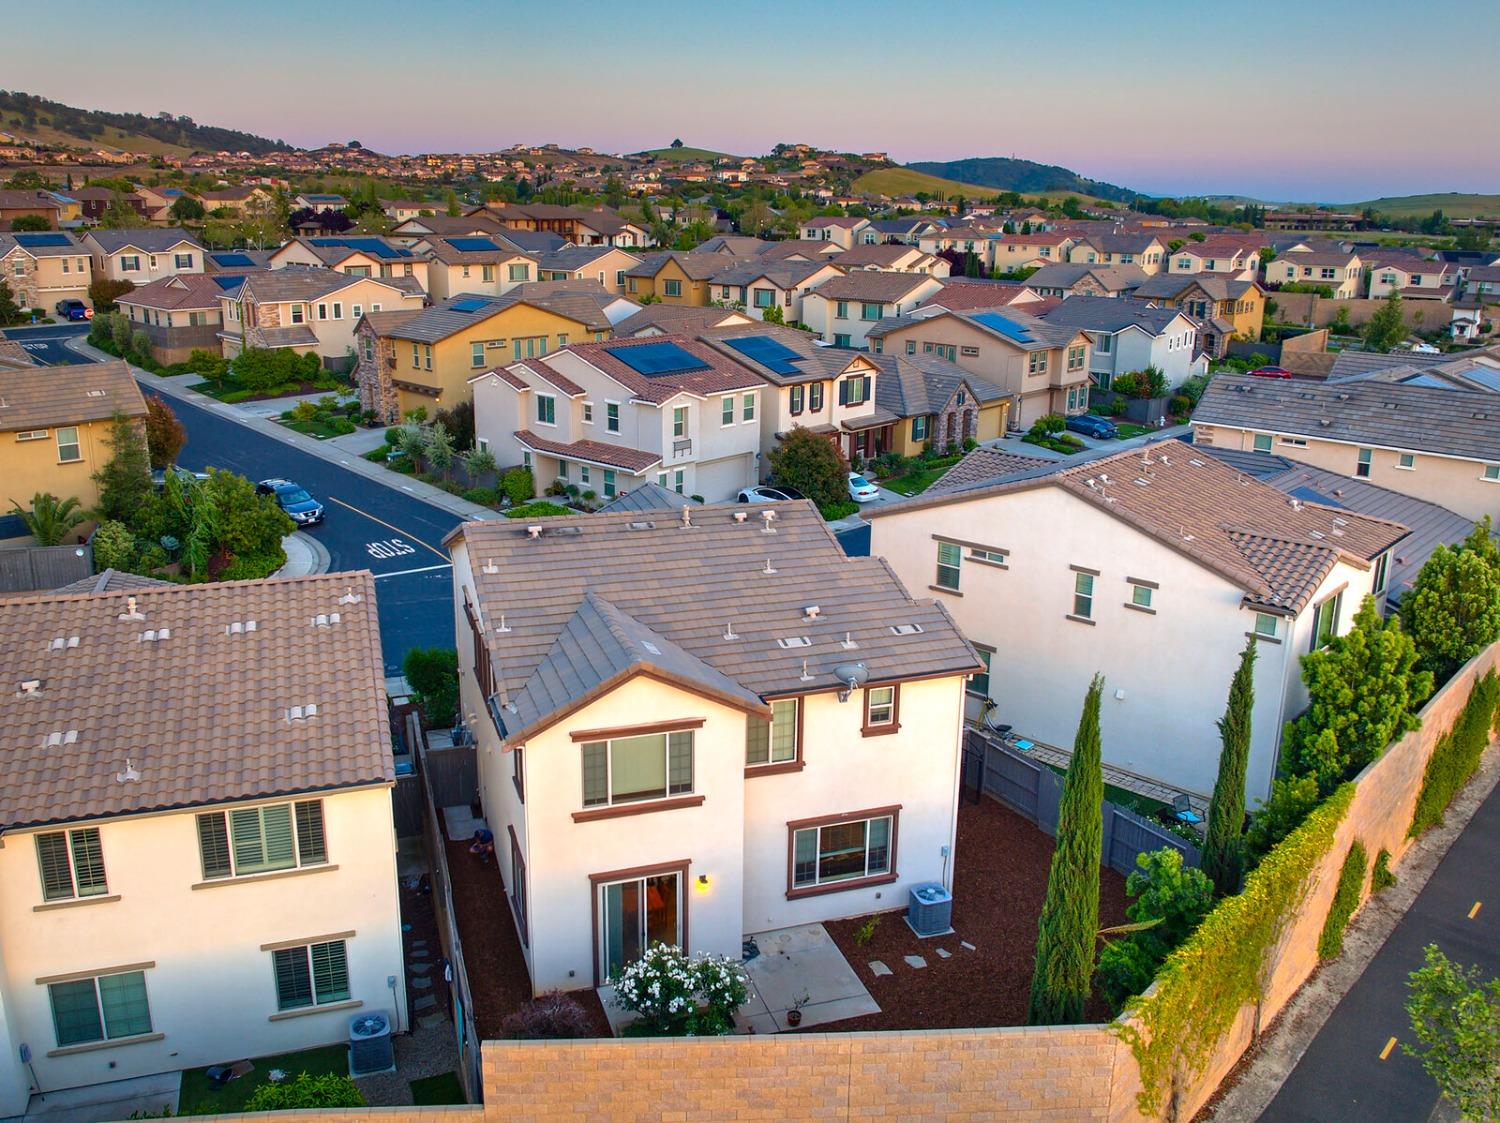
[1453, 204]
[51, 123]
[907, 181]
[684, 154]
[1000, 173]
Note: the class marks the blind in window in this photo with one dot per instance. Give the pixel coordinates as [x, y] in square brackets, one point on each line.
[293, 983]
[638, 767]
[679, 763]
[784, 730]
[330, 968]
[57, 874]
[595, 774]
[213, 845]
[88, 862]
[311, 846]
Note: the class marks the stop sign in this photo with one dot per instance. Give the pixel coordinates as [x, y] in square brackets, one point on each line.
[88, 313]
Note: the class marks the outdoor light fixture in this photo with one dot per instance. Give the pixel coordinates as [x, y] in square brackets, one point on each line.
[703, 883]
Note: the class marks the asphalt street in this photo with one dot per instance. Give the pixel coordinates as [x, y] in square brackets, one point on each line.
[367, 525]
[1355, 1068]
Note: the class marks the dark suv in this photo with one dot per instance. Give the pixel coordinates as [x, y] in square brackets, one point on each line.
[293, 499]
[72, 310]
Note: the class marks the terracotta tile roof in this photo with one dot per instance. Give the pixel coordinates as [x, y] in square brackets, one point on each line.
[871, 285]
[13, 354]
[718, 374]
[595, 452]
[112, 581]
[965, 296]
[685, 318]
[538, 368]
[985, 464]
[186, 290]
[39, 397]
[202, 715]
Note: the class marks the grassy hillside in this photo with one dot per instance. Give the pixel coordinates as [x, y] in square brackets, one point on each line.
[906, 181]
[106, 138]
[1453, 204]
[1001, 173]
[684, 154]
[50, 122]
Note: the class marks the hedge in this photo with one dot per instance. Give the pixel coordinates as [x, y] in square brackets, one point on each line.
[1345, 901]
[1456, 755]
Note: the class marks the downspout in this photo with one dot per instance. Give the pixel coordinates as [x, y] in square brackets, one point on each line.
[958, 783]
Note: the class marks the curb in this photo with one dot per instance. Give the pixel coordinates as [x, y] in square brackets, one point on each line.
[311, 548]
[434, 496]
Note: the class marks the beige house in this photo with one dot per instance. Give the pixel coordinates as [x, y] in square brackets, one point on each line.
[307, 309]
[180, 314]
[842, 311]
[474, 263]
[893, 258]
[1141, 250]
[605, 264]
[1440, 444]
[143, 256]
[1341, 272]
[1413, 277]
[45, 268]
[1044, 367]
[842, 230]
[1238, 260]
[755, 285]
[358, 256]
[220, 884]
[1009, 252]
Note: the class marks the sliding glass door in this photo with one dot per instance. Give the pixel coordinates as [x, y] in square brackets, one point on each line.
[635, 914]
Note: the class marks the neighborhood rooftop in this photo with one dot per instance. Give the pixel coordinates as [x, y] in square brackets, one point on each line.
[36, 398]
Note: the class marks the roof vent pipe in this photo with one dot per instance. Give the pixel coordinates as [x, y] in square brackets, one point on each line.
[533, 532]
[768, 517]
[687, 518]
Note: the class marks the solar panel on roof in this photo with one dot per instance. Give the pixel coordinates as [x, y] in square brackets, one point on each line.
[1008, 328]
[227, 281]
[657, 358]
[232, 259]
[473, 245]
[37, 241]
[770, 353]
[469, 305]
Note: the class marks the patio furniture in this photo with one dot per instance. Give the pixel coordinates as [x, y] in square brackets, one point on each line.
[1183, 811]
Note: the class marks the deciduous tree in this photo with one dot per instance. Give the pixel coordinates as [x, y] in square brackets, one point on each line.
[1455, 1017]
[165, 435]
[125, 480]
[812, 464]
[1387, 327]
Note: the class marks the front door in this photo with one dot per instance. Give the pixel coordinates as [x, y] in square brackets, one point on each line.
[635, 914]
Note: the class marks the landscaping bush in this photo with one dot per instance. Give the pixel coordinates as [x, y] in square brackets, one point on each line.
[305, 1091]
[119, 331]
[252, 567]
[1292, 800]
[341, 426]
[1192, 388]
[1047, 425]
[676, 995]
[519, 486]
[484, 496]
[432, 673]
[393, 436]
[1180, 405]
[1381, 877]
[540, 510]
[1345, 901]
[1116, 407]
[103, 293]
[302, 411]
[1453, 610]
[1175, 899]
[548, 1016]
[840, 510]
[113, 545]
[1147, 383]
[1456, 755]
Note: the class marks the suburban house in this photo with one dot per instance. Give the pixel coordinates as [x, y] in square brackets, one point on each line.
[180, 314]
[474, 263]
[843, 310]
[965, 294]
[578, 225]
[94, 201]
[359, 256]
[680, 319]
[1042, 367]
[1340, 272]
[245, 848]
[1129, 335]
[906, 231]
[842, 230]
[606, 416]
[1415, 278]
[1438, 443]
[1067, 279]
[42, 269]
[674, 277]
[143, 255]
[156, 203]
[1156, 565]
[54, 430]
[893, 258]
[307, 310]
[1142, 250]
[18, 203]
[237, 200]
[1009, 252]
[794, 249]
[666, 759]
[319, 203]
[1215, 255]
[605, 264]
[425, 360]
[757, 285]
[1224, 307]
[399, 210]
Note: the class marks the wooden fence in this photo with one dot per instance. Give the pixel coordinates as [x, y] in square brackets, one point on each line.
[27, 568]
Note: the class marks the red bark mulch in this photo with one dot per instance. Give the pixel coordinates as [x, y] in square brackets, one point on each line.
[498, 978]
[999, 882]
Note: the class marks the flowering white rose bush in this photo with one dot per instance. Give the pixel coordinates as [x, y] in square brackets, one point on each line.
[676, 994]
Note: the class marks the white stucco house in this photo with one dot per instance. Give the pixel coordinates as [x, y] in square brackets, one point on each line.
[1152, 566]
[1130, 335]
[738, 730]
[197, 854]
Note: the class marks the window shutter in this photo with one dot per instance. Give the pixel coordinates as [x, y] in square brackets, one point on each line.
[844, 392]
[330, 967]
[595, 774]
[311, 846]
[679, 762]
[88, 862]
[249, 850]
[864, 388]
[213, 845]
[293, 985]
[276, 830]
[57, 874]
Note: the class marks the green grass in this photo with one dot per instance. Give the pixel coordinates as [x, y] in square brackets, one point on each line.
[319, 428]
[199, 1097]
[1453, 204]
[686, 154]
[921, 476]
[1130, 429]
[436, 1091]
[906, 181]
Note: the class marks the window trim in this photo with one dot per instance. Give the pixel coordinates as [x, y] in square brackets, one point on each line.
[104, 1041]
[668, 800]
[76, 444]
[69, 838]
[952, 569]
[794, 891]
[771, 766]
[986, 656]
[884, 728]
[305, 946]
[299, 865]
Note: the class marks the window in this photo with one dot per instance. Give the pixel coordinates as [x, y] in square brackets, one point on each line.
[679, 418]
[516, 272]
[774, 741]
[356, 311]
[1036, 363]
[1377, 582]
[518, 878]
[1326, 621]
[250, 840]
[747, 407]
[631, 769]
[979, 681]
[338, 311]
[841, 339]
[1262, 442]
[1295, 442]
[854, 391]
[1083, 595]
[68, 448]
[815, 397]
[72, 864]
[1075, 357]
[678, 481]
[949, 557]
[182, 261]
[1406, 460]
[881, 707]
[671, 288]
[487, 273]
[841, 310]
[967, 352]
[562, 469]
[612, 416]
[1362, 468]
[842, 851]
[794, 399]
[911, 346]
[869, 311]
[426, 356]
[1265, 624]
[1140, 595]
[546, 409]
[585, 474]
[764, 298]
[919, 428]
[101, 1008]
[322, 311]
[609, 483]
[1491, 472]
[727, 410]
[131, 263]
[588, 413]
[476, 355]
[311, 975]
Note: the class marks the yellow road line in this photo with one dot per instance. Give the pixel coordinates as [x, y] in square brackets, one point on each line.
[1473, 912]
[1389, 1045]
[388, 526]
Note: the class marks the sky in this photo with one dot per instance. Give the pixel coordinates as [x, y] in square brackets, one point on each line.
[1314, 100]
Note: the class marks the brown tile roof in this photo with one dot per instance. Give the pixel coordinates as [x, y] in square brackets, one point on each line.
[538, 368]
[984, 464]
[202, 715]
[684, 318]
[717, 375]
[41, 397]
[13, 354]
[959, 296]
[871, 285]
[1274, 547]
[186, 290]
[388, 320]
[112, 581]
[597, 452]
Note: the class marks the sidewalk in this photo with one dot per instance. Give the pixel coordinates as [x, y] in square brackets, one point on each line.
[328, 450]
[305, 556]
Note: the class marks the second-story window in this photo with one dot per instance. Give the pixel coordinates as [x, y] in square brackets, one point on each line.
[854, 391]
[815, 397]
[949, 559]
[72, 864]
[869, 311]
[1083, 595]
[795, 398]
[612, 416]
[517, 272]
[679, 419]
[249, 840]
[747, 407]
[546, 409]
[774, 741]
[476, 355]
[632, 769]
[726, 410]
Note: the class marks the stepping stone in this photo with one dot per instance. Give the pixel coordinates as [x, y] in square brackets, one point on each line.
[915, 961]
[418, 944]
[427, 1021]
[966, 945]
[419, 968]
[421, 984]
[425, 1002]
[944, 953]
[879, 968]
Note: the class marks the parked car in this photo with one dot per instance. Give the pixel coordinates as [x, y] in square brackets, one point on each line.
[862, 490]
[72, 310]
[767, 493]
[293, 499]
[1092, 425]
[159, 475]
[1271, 372]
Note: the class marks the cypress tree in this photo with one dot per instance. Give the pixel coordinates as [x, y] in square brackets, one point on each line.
[1223, 850]
[1069, 922]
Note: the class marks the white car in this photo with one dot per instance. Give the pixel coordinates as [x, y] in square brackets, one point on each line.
[765, 493]
[862, 490]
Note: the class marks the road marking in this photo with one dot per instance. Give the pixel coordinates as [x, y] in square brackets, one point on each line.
[389, 548]
[1389, 1045]
[388, 526]
[1473, 912]
[404, 572]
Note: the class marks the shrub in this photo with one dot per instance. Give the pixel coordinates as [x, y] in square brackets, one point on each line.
[1345, 901]
[393, 436]
[341, 426]
[1147, 383]
[140, 343]
[556, 488]
[119, 331]
[550, 1015]
[252, 567]
[484, 496]
[841, 510]
[114, 546]
[1381, 877]
[1192, 389]
[1456, 755]
[1174, 900]
[866, 931]
[303, 411]
[1180, 405]
[1292, 800]
[103, 293]
[432, 673]
[519, 485]
[1048, 424]
[1116, 407]
[540, 510]
[675, 994]
[304, 1091]
[1453, 611]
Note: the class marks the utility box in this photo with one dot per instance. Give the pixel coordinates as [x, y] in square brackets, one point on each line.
[930, 910]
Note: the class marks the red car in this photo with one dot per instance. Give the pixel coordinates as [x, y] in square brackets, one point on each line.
[1271, 372]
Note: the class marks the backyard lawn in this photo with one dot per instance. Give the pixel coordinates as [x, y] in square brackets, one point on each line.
[1130, 429]
[199, 1096]
[919, 475]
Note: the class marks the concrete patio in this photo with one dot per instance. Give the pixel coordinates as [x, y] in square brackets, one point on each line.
[118, 1099]
[797, 963]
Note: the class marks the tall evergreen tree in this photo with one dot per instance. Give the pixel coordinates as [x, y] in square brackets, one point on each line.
[125, 481]
[1069, 922]
[1223, 850]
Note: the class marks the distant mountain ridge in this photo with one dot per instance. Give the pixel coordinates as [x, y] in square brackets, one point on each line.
[1025, 176]
[52, 122]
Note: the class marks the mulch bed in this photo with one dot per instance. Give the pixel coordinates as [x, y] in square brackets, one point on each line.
[498, 978]
[999, 883]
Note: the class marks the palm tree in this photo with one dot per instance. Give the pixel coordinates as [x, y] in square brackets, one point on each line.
[49, 518]
[197, 513]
